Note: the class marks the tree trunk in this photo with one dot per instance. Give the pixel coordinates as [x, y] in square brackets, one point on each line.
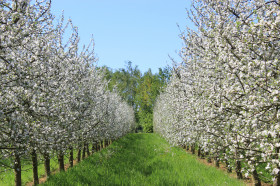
[202, 154]
[188, 147]
[61, 161]
[238, 170]
[87, 147]
[79, 155]
[199, 151]
[47, 164]
[229, 170]
[84, 152]
[96, 147]
[277, 178]
[100, 146]
[92, 148]
[71, 158]
[257, 181]
[193, 148]
[35, 167]
[238, 166]
[208, 157]
[217, 162]
[17, 169]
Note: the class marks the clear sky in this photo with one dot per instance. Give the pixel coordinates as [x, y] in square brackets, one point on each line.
[142, 31]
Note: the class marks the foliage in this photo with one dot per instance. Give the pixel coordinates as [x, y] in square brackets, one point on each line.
[142, 159]
[125, 80]
[146, 120]
[140, 91]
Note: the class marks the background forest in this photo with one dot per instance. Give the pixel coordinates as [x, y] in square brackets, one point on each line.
[139, 90]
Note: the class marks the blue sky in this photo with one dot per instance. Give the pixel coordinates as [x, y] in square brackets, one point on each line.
[142, 31]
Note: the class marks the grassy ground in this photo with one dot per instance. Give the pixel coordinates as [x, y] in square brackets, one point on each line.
[142, 159]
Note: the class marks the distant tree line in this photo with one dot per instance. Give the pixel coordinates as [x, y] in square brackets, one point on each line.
[138, 90]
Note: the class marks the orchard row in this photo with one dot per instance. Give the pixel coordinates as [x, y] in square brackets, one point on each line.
[224, 98]
[52, 97]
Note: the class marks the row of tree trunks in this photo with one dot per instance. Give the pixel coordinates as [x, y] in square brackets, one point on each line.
[255, 175]
[201, 154]
[34, 157]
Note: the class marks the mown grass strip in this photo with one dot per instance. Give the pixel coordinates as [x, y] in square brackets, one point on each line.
[142, 159]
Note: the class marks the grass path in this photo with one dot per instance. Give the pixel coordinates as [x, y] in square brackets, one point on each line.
[142, 159]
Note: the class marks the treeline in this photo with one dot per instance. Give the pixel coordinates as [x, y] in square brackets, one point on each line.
[52, 97]
[139, 90]
[224, 99]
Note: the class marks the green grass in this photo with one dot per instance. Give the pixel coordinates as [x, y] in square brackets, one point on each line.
[142, 159]
[7, 178]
